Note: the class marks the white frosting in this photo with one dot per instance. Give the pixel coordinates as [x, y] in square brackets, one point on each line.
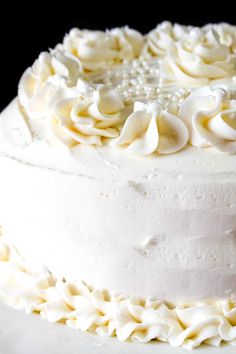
[211, 119]
[150, 128]
[197, 58]
[61, 101]
[171, 219]
[47, 82]
[164, 226]
[163, 36]
[30, 287]
[87, 119]
[226, 33]
[96, 49]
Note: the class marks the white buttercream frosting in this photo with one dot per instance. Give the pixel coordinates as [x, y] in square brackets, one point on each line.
[210, 117]
[97, 49]
[197, 58]
[150, 128]
[160, 39]
[87, 90]
[47, 82]
[32, 288]
[226, 33]
[87, 119]
[165, 226]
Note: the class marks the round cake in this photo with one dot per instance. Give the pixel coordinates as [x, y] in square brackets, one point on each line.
[118, 185]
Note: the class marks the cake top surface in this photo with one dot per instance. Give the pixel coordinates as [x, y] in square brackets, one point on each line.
[153, 94]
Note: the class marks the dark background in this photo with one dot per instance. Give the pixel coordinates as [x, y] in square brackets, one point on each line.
[26, 30]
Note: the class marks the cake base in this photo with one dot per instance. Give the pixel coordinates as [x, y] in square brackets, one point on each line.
[46, 338]
[32, 288]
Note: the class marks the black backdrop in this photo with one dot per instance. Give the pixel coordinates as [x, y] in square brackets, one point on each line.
[26, 30]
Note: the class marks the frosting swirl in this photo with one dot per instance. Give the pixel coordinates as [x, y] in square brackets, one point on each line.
[47, 81]
[96, 49]
[211, 119]
[150, 128]
[87, 119]
[226, 33]
[197, 58]
[163, 36]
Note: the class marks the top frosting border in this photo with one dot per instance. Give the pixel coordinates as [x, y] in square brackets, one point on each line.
[147, 94]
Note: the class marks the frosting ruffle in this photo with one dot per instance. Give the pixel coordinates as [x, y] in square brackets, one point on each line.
[32, 288]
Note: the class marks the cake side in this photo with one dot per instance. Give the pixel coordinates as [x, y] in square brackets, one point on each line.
[171, 222]
[29, 286]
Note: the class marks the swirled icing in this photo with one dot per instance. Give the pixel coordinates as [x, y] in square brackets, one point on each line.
[226, 33]
[163, 36]
[96, 49]
[62, 90]
[87, 120]
[47, 82]
[32, 288]
[160, 39]
[150, 128]
[197, 58]
[211, 119]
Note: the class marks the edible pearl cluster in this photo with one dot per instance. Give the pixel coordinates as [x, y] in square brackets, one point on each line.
[139, 80]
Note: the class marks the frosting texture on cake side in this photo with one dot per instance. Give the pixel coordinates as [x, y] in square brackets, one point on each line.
[118, 185]
[34, 289]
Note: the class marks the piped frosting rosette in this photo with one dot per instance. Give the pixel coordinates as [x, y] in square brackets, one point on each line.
[47, 82]
[160, 39]
[165, 34]
[151, 129]
[226, 33]
[88, 120]
[97, 49]
[197, 58]
[210, 117]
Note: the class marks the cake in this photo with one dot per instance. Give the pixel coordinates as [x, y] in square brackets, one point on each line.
[118, 185]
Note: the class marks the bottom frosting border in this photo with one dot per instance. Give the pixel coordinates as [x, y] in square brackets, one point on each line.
[31, 287]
